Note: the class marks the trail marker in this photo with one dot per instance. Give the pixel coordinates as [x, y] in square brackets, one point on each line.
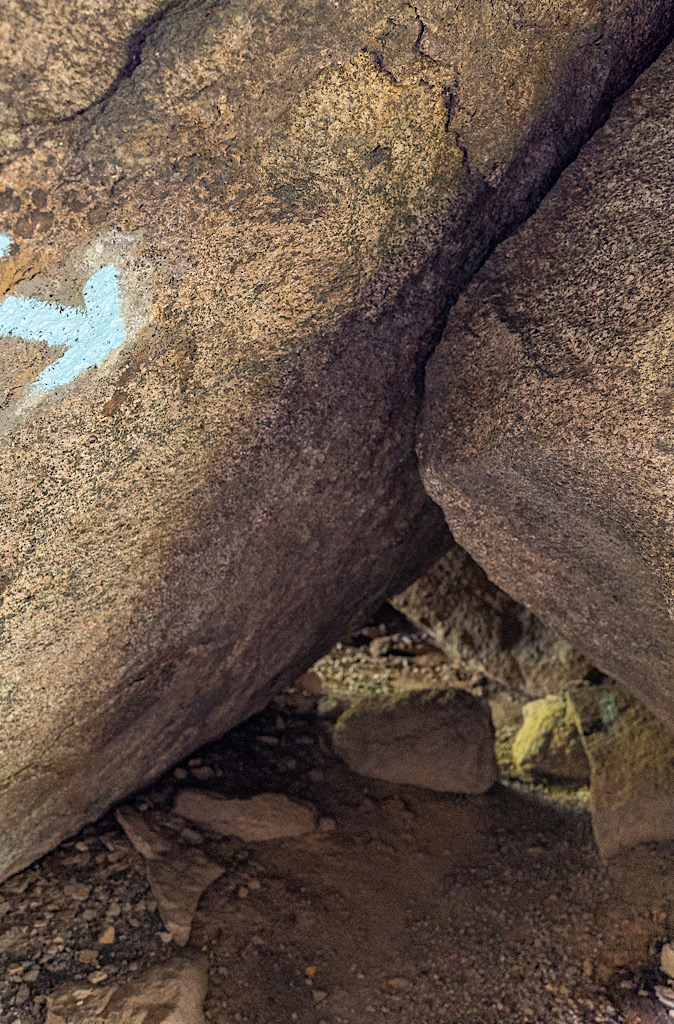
[90, 334]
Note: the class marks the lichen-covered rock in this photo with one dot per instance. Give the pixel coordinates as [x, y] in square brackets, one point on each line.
[221, 280]
[546, 435]
[441, 740]
[483, 631]
[631, 756]
[548, 745]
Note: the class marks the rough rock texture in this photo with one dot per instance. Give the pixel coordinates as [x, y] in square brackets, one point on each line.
[547, 431]
[631, 755]
[549, 744]
[291, 193]
[52, 66]
[260, 818]
[178, 877]
[483, 631]
[442, 740]
[667, 959]
[170, 994]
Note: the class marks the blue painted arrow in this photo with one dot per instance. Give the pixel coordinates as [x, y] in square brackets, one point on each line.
[90, 333]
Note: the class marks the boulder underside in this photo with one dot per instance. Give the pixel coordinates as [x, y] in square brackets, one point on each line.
[283, 200]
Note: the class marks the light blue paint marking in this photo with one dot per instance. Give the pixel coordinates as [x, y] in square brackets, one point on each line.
[90, 333]
[5, 244]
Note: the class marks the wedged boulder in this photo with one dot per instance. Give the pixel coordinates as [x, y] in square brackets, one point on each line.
[546, 433]
[437, 739]
[548, 744]
[631, 756]
[248, 238]
[483, 631]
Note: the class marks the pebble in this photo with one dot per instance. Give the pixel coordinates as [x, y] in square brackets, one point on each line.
[96, 977]
[190, 835]
[327, 824]
[87, 956]
[22, 996]
[665, 995]
[107, 936]
[77, 891]
[667, 959]
[181, 774]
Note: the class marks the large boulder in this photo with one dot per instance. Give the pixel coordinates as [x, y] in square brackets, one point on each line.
[174, 991]
[437, 739]
[227, 245]
[547, 429]
[631, 758]
[484, 632]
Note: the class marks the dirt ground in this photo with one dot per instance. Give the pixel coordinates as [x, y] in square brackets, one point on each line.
[405, 905]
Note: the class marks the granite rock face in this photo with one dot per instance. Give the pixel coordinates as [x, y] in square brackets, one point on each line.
[547, 430]
[484, 632]
[54, 65]
[248, 236]
[437, 739]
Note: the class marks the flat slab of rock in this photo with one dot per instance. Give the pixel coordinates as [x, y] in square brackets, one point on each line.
[631, 756]
[246, 220]
[178, 875]
[171, 994]
[441, 740]
[263, 817]
[177, 884]
[483, 631]
[547, 430]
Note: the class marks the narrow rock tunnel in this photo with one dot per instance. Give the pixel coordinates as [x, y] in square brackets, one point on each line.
[335, 462]
[370, 844]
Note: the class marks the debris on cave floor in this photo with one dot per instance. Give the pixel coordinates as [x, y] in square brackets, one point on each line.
[401, 902]
[393, 656]
[172, 992]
